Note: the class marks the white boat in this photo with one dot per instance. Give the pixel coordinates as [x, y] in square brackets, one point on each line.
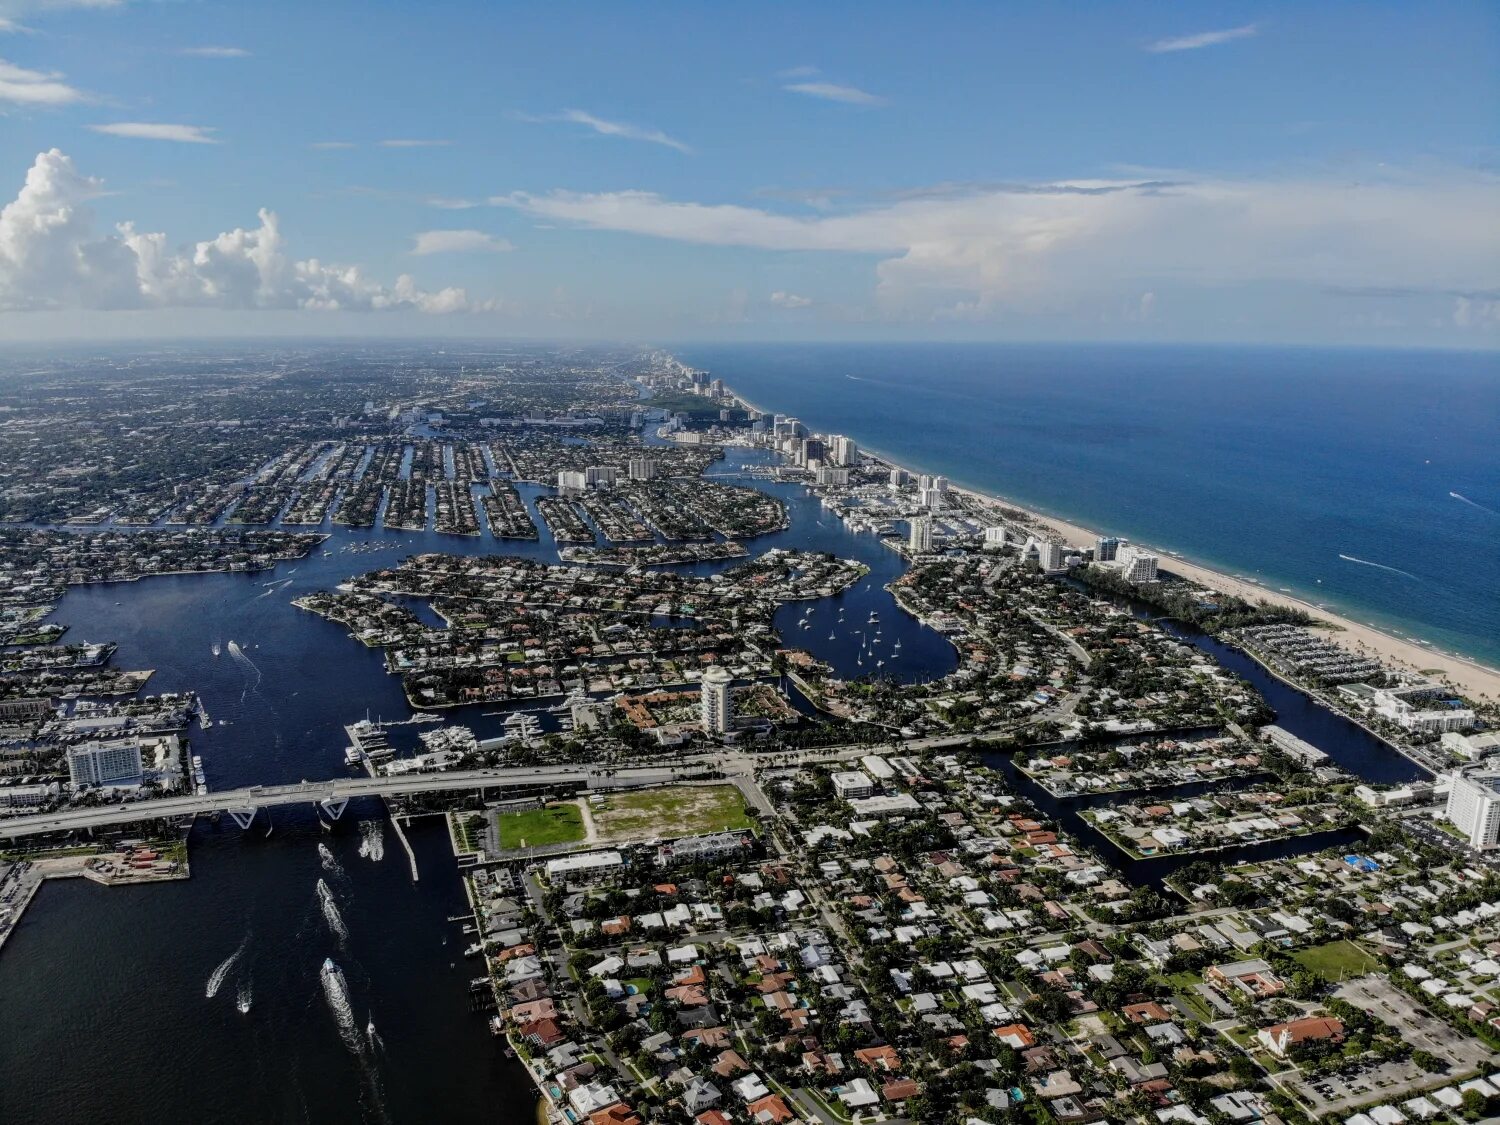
[216, 649]
[474, 950]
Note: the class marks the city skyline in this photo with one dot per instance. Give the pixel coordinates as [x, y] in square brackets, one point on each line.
[1222, 174]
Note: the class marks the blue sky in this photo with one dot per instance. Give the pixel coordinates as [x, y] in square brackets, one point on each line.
[1296, 172]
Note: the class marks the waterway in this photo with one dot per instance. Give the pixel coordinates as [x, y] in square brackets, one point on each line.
[103, 989]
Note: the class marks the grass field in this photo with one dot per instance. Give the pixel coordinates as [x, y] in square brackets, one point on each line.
[535, 828]
[1337, 960]
[684, 810]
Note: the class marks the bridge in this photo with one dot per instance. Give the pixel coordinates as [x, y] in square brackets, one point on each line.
[332, 796]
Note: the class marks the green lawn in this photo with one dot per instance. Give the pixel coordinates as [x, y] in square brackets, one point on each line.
[1184, 987]
[535, 828]
[683, 810]
[1337, 960]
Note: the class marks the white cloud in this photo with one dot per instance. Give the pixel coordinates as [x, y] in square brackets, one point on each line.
[215, 52]
[784, 300]
[833, 92]
[457, 242]
[156, 131]
[443, 203]
[408, 142]
[331, 145]
[51, 258]
[608, 128]
[1476, 312]
[1202, 39]
[1025, 246]
[34, 87]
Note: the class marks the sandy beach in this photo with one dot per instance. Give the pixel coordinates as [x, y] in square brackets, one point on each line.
[1477, 681]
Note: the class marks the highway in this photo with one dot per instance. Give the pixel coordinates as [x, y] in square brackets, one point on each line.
[334, 790]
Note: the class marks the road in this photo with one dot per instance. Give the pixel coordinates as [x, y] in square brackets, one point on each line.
[736, 766]
[333, 790]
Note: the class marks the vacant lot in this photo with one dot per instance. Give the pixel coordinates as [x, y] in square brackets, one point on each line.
[683, 810]
[1337, 960]
[535, 828]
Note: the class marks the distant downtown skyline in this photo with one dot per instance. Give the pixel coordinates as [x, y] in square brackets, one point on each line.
[1225, 172]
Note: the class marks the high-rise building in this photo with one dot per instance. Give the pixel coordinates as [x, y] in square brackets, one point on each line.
[919, 535]
[899, 478]
[931, 498]
[994, 537]
[1137, 566]
[1474, 807]
[1106, 548]
[644, 468]
[571, 480]
[845, 452]
[94, 765]
[926, 481]
[716, 704]
[600, 474]
[1051, 556]
[831, 477]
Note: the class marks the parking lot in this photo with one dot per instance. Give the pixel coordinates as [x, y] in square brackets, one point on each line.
[1390, 1081]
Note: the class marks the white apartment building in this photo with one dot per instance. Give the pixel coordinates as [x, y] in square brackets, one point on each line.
[852, 783]
[716, 704]
[1474, 807]
[571, 480]
[1137, 566]
[97, 765]
[644, 468]
[919, 535]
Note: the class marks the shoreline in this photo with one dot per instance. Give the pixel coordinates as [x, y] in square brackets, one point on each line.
[1477, 680]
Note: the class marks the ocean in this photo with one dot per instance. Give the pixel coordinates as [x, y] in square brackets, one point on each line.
[1365, 480]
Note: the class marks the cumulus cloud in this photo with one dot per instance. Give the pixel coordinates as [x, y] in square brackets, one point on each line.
[158, 131]
[34, 87]
[51, 257]
[457, 242]
[1024, 245]
[1202, 39]
[834, 92]
[607, 128]
[784, 300]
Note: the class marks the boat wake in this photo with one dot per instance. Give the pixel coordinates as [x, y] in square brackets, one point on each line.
[337, 993]
[328, 860]
[371, 840]
[216, 978]
[1381, 566]
[331, 913]
[239, 655]
[1473, 503]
